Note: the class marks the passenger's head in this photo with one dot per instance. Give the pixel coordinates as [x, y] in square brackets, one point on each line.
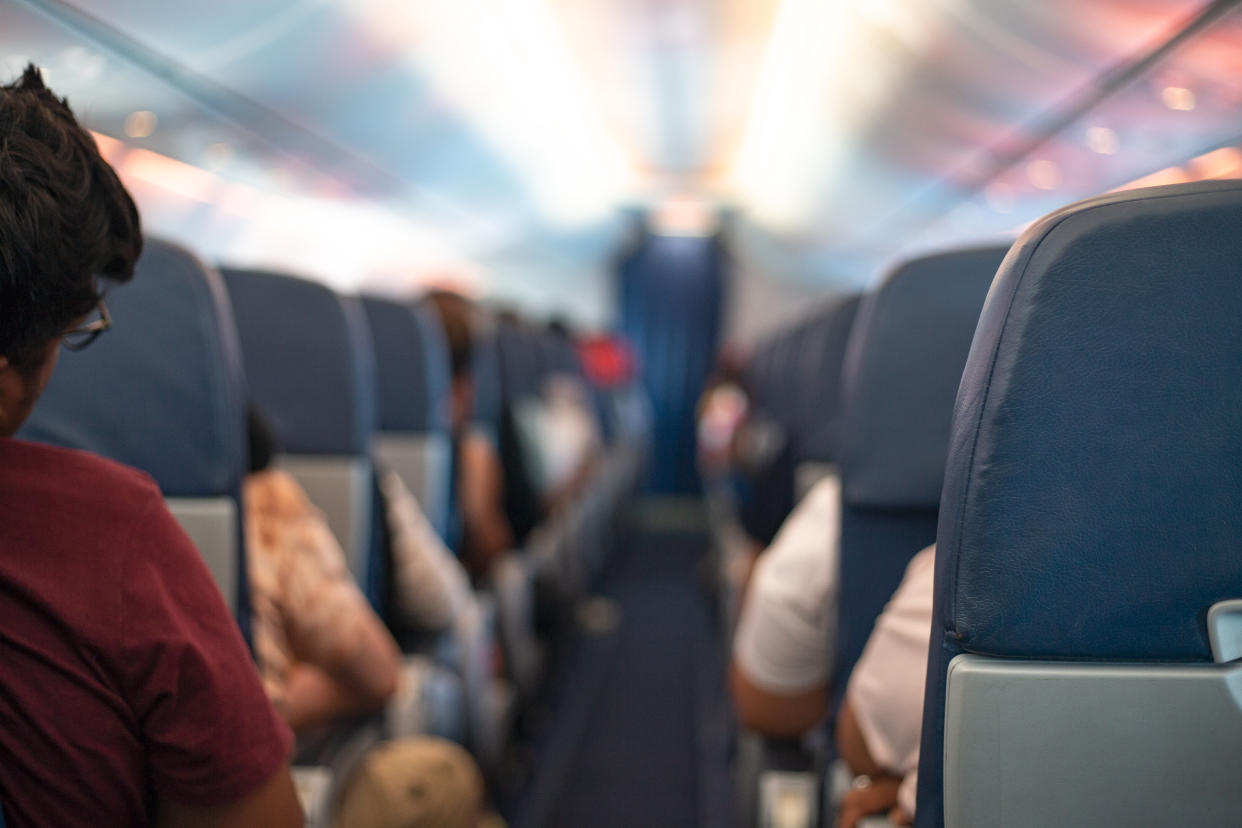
[456, 315]
[66, 224]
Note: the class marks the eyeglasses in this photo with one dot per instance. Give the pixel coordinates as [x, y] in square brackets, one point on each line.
[75, 339]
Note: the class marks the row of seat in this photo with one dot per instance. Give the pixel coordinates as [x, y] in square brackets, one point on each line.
[894, 357]
[347, 383]
[1072, 446]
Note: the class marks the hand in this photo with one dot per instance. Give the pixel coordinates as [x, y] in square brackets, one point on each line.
[866, 797]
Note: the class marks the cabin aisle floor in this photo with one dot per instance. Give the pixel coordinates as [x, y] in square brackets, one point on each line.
[641, 739]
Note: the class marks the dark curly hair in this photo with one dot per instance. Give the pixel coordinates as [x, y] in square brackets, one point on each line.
[65, 220]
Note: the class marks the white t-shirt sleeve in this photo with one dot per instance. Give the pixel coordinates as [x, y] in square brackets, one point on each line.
[886, 687]
[784, 638]
[431, 586]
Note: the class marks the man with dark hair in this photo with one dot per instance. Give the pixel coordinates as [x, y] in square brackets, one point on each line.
[127, 696]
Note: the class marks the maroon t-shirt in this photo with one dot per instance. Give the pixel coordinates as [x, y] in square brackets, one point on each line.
[122, 672]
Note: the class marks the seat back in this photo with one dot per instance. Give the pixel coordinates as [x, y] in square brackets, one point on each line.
[412, 384]
[162, 391]
[903, 364]
[770, 380]
[1091, 516]
[309, 366]
[816, 392]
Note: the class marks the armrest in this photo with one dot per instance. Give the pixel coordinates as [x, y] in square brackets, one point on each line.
[324, 761]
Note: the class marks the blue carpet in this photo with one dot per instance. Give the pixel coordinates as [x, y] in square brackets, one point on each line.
[641, 750]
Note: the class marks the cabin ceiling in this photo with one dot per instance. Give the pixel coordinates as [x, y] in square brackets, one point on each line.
[839, 134]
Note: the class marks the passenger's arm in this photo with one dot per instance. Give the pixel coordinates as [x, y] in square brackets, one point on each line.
[488, 534]
[330, 627]
[349, 670]
[875, 796]
[313, 697]
[274, 804]
[212, 740]
[782, 646]
[779, 715]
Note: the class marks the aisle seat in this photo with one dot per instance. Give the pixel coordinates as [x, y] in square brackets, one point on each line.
[309, 367]
[903, 365]
[1085, 662]
[412, 389]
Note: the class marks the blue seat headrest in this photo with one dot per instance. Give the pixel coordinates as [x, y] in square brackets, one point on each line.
[162, 390]
[486, 377]
[519, 362]
[819, 374]
[439, 377]
[902, 368]
[412, 381]
[308, 361]
[769, 374]
[1094, 489]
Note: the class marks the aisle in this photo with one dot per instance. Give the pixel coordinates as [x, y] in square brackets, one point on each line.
[640, 745]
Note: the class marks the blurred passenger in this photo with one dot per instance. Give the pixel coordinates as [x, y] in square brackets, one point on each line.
[783, 645]
[128, 695]
[560, 432]
[326, 656]
[881, 719]
[487, 535]
[323, 653]
[722, 410]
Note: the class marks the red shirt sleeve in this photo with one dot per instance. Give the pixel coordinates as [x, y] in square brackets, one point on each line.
[211, 735]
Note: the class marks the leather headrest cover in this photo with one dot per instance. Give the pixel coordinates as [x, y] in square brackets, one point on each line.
[1093, 501]
[902, 369]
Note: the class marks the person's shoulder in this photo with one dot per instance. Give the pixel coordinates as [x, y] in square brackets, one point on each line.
[77, 477]
[825, 493]
[275, 492]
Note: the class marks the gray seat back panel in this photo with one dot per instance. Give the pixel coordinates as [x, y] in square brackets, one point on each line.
[211, 523]
[1034, 744]
[340, 486]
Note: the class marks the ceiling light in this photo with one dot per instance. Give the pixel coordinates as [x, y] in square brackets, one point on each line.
[1179, 98]
[219, 156]
[1044, 174]
[1102, 140]
[999, 197]
[141, 124]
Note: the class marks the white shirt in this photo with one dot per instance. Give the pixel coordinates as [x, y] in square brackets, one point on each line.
[886, 687]
[784, 639]
[431, 586]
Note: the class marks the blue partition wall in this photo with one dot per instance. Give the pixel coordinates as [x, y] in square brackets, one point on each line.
[671, 291]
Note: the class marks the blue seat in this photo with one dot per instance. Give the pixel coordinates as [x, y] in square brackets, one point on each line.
[769, 487]
[412, 370]
[309, 366]
[816, 390]
[904, 361]
[162, 391]
[1092, 513]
